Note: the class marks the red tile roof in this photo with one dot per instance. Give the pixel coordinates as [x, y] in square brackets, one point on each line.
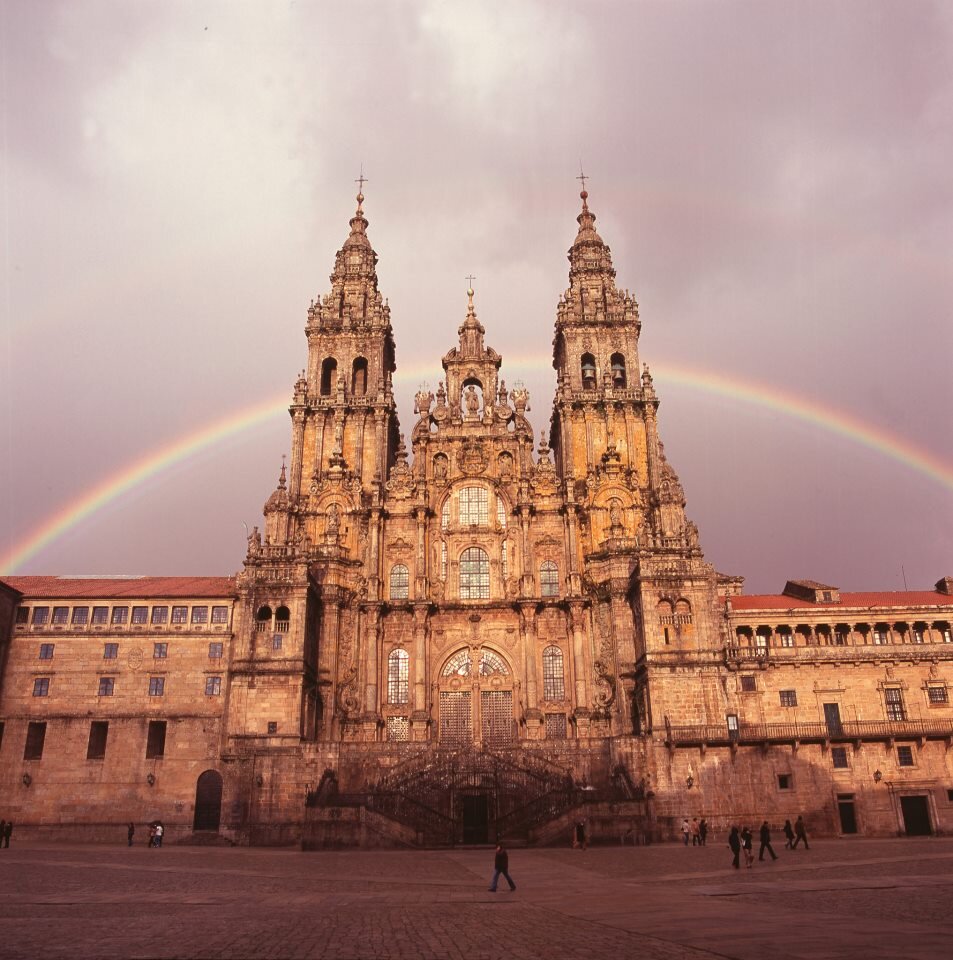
[896, 598]
[96, 588]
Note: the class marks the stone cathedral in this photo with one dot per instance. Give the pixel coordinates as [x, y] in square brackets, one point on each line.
[495, 633]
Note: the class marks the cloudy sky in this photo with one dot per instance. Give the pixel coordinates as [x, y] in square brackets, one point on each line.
[773, 179]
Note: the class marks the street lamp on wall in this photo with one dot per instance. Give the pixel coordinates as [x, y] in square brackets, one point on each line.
[151, 779]
[27, 779]
[878, 776]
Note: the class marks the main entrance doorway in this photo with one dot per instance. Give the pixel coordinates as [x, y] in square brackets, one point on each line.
[476, 701]
[208, 801]
[476, 818]
[848, 815]
[916, 816]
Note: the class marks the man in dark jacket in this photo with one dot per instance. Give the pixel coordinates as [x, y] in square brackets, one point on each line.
[766, 842]
[501, 864]
[800, 833]
[734, 841]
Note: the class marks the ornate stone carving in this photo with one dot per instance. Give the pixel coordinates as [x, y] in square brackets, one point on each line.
[472, 459]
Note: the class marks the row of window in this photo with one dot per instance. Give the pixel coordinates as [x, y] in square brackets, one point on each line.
[587, 365]
[937, 694]
[80, 616]
[107, 686]
[840, 758]
[474, 575]
[160, 651]
[96, 746]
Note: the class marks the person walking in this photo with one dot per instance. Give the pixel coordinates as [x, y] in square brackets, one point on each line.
[152, 835]
[746, 846]
[501, 865]
[686, 831]
[800, 833]
[131, 830]
[8, 829]
[160, 830]
[766, 842]
[696, 835]
[3, 826]
[703, 831]
[734, 841]
[789, 835]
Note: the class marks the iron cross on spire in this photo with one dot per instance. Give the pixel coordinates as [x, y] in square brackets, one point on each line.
[361, 180]
[582, 177]
[470, 278]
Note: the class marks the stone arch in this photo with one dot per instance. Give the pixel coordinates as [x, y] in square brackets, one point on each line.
[587, 370]
[359, 377]
[617, 366]
[329, 369]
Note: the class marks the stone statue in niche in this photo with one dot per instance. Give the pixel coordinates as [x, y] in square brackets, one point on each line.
[333, 529]
[615, 517]
[472, 401]
[440, 468]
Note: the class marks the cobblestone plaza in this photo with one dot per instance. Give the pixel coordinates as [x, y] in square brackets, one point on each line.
[841, 899]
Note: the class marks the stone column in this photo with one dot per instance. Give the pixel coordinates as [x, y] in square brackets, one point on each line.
[581, 712]
[297, 448]
[372, 644]
[528, 643]
[420, 716]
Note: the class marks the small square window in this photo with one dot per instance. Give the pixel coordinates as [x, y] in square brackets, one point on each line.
[272, 726]
[213, 686]
[120, 615]
[100, 616]
[41, 687]
[784, 781]
[160, 615]
[180, 614]
[748, 683]
[156, 686]
[199, 614]
[555, 726]
[905, 757]
[160, 651]
[40, 616]
[80, 616]
[839, 758]
[46, 651]
[219, 614]
[789, 698]
[398, 728]
[23, 614]
[140, 615]
[110, 651]
[276, 642]
[215, 650]
[107, 686]
[60, 615]
[937, 694]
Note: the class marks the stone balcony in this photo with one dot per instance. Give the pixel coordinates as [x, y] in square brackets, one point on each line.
[748, 658]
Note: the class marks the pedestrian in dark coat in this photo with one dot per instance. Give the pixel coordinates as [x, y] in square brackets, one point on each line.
[766, 842]
[800, 833]
[734, 841]
[703, 830]
[789, 835]
[746, 846]
[8, 829]
[131, 830]
[501, 865]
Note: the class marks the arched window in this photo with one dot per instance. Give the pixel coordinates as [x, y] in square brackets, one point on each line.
[617, 365]
[548, 579]
[398, 674]
[588, 364]
[263, 618]
[445, 515]
[329, 369]
[472, 506]
[399, 582]
[554, 686]
[359, 377]
[474, 574]
[282, 620]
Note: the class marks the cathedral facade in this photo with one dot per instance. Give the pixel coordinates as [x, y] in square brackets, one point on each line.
[488, 634]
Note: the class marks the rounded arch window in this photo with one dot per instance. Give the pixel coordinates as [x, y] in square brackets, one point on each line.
[329, 369]
[461, 665]
[282, 619]
[359, 377]
[398, 677]
[617, 366]
[263, 618]
[474, 574]
[549, 579]
[473, 506]
[554, 685]
[588, 367]
[399, 582]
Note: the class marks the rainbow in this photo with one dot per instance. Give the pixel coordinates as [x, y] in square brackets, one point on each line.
[762, 395]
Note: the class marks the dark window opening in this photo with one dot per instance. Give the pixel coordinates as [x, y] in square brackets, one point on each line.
[588, 365]
[359, 378]
[617, 365]
[35, 738]
[905, 756]
[784, 781]
[98, 732]
[329, 369]
[839, 758]
[282, 620]
[748, 683]
[155, 741]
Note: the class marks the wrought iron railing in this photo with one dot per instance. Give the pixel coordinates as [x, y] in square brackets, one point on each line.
[846, 730]
[907, 651]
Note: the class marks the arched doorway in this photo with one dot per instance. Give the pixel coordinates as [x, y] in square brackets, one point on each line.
[476, 700]
[208, 801]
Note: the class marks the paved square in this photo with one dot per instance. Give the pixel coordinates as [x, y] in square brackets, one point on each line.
[842, 898]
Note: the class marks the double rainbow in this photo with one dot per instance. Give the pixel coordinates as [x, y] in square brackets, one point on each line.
[825, 417]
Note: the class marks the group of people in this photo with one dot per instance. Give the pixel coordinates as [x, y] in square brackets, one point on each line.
[742, 842]
[156, 831]
[696, 831]
[6, 831]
